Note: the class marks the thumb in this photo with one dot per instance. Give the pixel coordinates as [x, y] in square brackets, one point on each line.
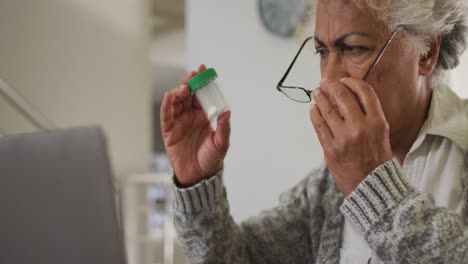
[223, 132]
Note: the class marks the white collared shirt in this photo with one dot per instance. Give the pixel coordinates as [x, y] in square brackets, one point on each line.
[435, 165]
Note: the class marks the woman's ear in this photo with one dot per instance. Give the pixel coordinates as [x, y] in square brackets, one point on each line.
[428, 63]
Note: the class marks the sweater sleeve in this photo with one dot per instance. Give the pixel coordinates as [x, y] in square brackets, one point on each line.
[209, 234]
[402, 225]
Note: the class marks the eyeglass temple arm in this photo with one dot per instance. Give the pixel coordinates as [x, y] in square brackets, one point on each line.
[377, 59]
[292, 63]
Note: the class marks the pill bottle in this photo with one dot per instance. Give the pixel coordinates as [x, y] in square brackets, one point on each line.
[206, 88]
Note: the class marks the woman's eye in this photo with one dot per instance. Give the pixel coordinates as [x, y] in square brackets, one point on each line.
[321, 51]
[354, 49]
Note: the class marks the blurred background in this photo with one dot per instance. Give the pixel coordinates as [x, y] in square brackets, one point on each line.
[108, 63]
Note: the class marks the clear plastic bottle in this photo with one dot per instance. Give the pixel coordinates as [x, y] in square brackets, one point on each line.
[206, 88]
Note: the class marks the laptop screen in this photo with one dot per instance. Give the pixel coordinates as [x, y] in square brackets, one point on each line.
[56, 199]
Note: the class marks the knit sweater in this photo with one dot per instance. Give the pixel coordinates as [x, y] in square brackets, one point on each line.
[399, 224]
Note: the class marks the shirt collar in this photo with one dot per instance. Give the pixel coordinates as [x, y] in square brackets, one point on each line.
[448, 117]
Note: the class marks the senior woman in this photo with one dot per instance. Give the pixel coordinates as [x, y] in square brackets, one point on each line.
[393, 187]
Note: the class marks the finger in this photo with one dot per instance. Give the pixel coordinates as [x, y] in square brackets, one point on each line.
[191, 74]
[367, 96]
[184, 96]
[223, 131]
[165, 114]
[347, 103]
[181, 100]
[324, 133]
[176, 110]
[201, 68]
[181, 93]
[196, 103]
[187, 78]
[200, 118]
[329, 113]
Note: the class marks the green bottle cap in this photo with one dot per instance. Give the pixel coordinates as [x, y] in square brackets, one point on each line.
[201, 79]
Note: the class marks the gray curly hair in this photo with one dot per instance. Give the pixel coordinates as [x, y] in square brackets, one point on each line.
[423, 20]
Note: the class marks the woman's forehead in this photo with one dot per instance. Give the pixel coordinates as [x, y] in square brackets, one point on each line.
[339, 5]
[337, 17]
[344, 15]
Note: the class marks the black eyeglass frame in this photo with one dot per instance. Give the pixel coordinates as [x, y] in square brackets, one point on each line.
[280, 85]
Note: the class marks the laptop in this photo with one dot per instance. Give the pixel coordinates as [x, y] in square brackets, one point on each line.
[57, 201]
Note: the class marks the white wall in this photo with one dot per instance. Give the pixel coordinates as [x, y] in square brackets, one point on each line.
[81, 62]
[273, 144]
[459, 77]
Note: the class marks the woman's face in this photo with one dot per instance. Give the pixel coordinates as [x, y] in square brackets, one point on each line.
[349, 39]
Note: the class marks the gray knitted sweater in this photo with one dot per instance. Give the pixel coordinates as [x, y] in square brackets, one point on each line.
[399, 224]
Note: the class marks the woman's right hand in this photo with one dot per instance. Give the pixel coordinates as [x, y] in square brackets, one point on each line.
[196, 151]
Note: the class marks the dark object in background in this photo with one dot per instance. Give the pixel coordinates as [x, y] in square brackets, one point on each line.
[282, 17]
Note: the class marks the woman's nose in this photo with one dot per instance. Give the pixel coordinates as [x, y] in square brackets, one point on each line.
[335, 68]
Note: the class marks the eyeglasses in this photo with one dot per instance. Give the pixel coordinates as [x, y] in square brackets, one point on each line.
[302, 95]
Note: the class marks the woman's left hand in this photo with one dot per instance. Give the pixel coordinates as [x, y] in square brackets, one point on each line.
[354, 134]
